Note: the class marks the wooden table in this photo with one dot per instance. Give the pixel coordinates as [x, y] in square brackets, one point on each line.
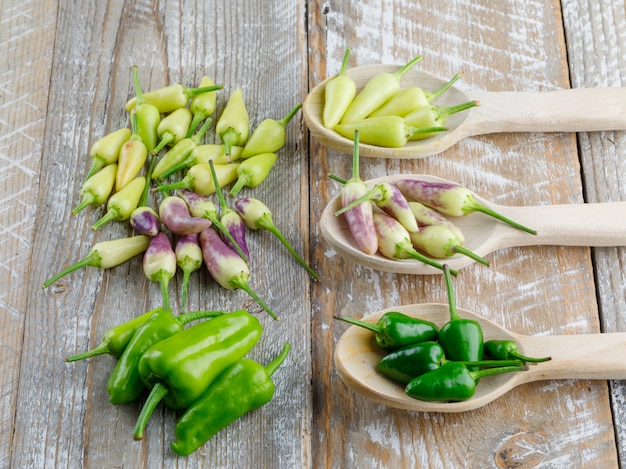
[66, 74]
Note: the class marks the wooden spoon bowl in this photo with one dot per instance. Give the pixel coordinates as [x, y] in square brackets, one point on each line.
[577, 356]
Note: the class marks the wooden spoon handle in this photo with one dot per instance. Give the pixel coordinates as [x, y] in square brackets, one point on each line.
[577, 356]
[597, 224]
[571, 110]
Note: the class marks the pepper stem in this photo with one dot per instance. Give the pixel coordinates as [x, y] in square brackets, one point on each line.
[157, 394]
[355, 157]
[229, 138]
[245, 287]
[225, 209]
[422, 258]
[477, 375]
[199, 135]
[266, 222]
[111, 215]
[525, 358]
[274, 364]
[375, 328]
[285, 120]
[166, 138]
[344, 62]
[95, 166]
[138, 92]
[93, 259]
[88, 199]
[186, 318]
[339, 179]
[191, 92]
[186, 278]
[431, 96]
[164, 281]
[454, 314]
[373, 194]
[411, 131]
[146, 189]
[444, 112]
[182, 184]
[101, 349]
[466, 252]
[180, 166]
[406, 67]
[492, 363]
[472, 205]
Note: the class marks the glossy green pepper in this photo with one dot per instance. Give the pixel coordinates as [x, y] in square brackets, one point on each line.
[404, 364]
[115, 340]
[452, 382]
[180, 368]
[461, 339]
[395, 330]
[241, 388]
[504, 349]
[125, 384]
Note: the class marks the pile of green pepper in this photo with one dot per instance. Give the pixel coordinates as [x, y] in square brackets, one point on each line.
[441, 364]
[201, 369]
[385, 114]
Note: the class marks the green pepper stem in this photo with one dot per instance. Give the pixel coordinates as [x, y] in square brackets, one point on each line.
[218, 224]
[186, 318]
[180, 166]
[93, 259]
[166, 138]
[285, 120]
[230, 138]
[375, 328]
[199, 135]
[472, 204]
[88, 199]
[492, 363]
[373, 194]
[111, 215]
[182, 184]
[157, 394]
[444, 112]
[101, 349]
[191, 92]
[339, 179]
[422, 258]
[146, 190]
[275, 364]
[525, 358]
[95, 166]
[344, 62]
[256, 298]
[431, 96]
[466, 252]
[454, 314]
[266, 223]
[355, 157]
[477, 375]
[406, 67]
[164, 281]
[138, 92]
[186, 278]
[411, 131]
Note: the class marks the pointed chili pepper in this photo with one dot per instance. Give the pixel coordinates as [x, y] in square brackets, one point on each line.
[106, 150]
[159, 265]
[434, 116]
[202, 207]
[441, 242]
[450, 199]
[394, 241]
[233, 126]
[171, 97]
[360, 218]
[426, 216]
[96, 189]
[106, 254]
[202, 105]
[121, 205]
[132, 157]
[114, 340]
[227, 267]
[390, 199]
[411, 99]
[407, 363]
[200, 180]
[180, 368]
[253, 171]
[504, 349]
[202, 154]
[377, 91]
[188, 259]
[231, 221]
[269, 136]
[394, 330]
[461, 339]
[241, 388]
[175, 215]
[179, 152]
[125, 383]
[386, 131]
[257, 216]
[452, 382]
[338, 94]
[148, 116]
[173, 128]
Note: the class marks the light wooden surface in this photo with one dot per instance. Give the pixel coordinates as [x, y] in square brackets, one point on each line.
[65, 71]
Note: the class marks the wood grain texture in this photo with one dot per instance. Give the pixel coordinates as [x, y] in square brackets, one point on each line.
[65, 80]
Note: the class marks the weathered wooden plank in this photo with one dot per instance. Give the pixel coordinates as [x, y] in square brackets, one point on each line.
[26, 36]
[511, 46]
[596, 45]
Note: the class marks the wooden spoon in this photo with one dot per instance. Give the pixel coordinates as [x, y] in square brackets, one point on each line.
[576, 356]
[597, 224]
[568, 110]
